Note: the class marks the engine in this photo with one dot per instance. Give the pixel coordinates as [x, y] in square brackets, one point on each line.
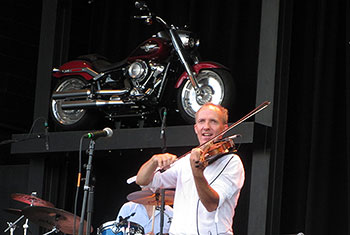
[144, 76]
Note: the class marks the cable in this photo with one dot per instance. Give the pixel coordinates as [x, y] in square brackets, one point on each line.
[78, 184]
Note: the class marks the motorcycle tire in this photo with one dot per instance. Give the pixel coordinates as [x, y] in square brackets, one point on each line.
[219, 87]
[65, 120]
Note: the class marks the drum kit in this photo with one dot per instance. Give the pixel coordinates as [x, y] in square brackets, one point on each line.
[146, 197]
[44, 214]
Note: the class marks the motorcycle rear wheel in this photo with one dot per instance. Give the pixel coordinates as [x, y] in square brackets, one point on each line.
[71, 119]
[219, 87]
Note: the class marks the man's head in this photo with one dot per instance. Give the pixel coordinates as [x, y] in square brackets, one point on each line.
[211, 119]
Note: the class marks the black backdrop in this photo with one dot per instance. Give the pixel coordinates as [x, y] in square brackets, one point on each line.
[316, 173]
[315, 196]
[316, 168]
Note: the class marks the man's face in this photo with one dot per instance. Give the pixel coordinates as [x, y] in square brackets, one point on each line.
[209, 123]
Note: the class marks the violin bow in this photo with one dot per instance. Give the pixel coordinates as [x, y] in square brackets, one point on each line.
[248, 115]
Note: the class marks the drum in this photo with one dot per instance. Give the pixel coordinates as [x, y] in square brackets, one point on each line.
[124, 227]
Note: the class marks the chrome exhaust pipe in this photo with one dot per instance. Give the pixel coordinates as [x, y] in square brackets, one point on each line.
[111, 92]
[85, 104]
[85, 93]
[68, 94]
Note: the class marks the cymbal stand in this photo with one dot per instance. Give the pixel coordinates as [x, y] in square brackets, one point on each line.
[25, 227]
[87, 192]
[12, 226]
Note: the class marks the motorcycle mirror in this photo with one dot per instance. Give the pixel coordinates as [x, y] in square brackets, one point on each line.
[141, 5]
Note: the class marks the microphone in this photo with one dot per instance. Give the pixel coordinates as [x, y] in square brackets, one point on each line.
[106, 132]
[46, 135]
[162, 128]
[126, 218]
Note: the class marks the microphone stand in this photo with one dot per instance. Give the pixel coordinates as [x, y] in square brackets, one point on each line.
[88, 191]
[162, 205]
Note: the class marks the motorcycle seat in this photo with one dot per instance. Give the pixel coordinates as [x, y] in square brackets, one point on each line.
[100, 63]
[111, 66]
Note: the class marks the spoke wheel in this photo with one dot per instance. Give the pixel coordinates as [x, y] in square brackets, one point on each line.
[215, 86]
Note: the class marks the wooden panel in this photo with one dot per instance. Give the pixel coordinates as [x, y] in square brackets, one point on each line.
[177, 136]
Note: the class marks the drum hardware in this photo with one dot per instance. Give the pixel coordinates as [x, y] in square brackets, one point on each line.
[159, 198]
[54, 219]
[148, 197]
[122, 228]
[32, 200]
[12, 226]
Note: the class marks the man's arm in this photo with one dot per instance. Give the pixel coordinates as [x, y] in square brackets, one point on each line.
[208, 196]
[146, 172]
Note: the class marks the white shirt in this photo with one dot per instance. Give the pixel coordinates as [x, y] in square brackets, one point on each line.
[141, 217]
[226, 177]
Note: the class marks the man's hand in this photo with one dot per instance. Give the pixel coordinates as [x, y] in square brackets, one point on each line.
[198, 163]
[207, 195]
[163, 161]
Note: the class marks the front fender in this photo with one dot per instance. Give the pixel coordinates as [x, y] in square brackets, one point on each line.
[75, 67]
[196, 68]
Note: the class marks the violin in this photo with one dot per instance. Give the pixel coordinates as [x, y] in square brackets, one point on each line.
[217, 149]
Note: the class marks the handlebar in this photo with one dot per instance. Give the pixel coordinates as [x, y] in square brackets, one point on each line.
[142, 17]
[148, 19]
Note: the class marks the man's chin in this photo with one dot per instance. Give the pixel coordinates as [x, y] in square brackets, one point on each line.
[205, 139]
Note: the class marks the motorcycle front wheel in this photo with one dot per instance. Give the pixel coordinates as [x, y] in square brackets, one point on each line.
[218, 88]
[76, 119]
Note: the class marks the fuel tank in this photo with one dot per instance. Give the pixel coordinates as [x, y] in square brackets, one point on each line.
[156, 49]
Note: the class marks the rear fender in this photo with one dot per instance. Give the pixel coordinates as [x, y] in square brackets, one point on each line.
[196, 68]
[75, 67]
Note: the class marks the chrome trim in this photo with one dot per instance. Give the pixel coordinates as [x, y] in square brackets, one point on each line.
[84, 104]
[74, 93]
[86, 70]
[111, 92]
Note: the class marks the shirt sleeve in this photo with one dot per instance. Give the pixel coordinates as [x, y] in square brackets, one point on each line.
[168, 178]
[230, 181]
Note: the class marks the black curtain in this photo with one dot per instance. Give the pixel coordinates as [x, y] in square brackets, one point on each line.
[316, 166]
[316, 170]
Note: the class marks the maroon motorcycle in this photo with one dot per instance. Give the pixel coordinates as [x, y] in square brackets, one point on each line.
[163, 71]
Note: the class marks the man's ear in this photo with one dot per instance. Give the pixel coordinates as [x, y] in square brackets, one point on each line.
[195, 128]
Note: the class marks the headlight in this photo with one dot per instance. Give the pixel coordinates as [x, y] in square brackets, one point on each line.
[188, 39]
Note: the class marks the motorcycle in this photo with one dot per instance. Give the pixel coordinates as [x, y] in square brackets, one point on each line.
[163, 71]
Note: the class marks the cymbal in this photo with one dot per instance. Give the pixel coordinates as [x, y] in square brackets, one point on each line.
[148, 197]
[50, 218]
[31, 200]
[13, 211]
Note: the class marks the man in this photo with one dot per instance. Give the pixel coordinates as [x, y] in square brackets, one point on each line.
[205, 196]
